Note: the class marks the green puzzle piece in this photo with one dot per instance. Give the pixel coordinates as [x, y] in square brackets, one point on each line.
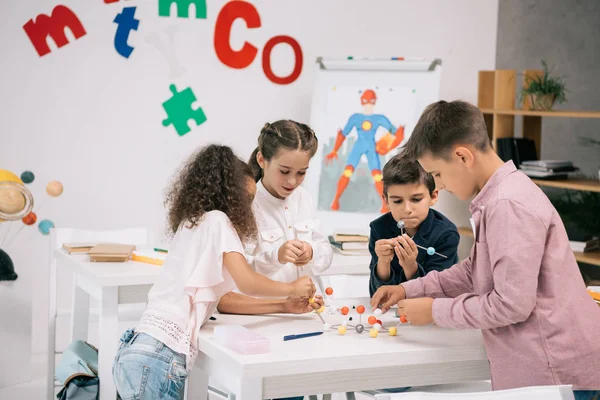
[179, 110]
[183, 8]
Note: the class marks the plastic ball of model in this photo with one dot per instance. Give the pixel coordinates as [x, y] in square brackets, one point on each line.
[349, 318]
[393, 331]
[373, 333]
[360, 309]
[341, 329]
[379, 322]
[372, 320]
[403, 319]
[320, 310]
[27, 177]
[360, 328]
[430, 251]
[45, 226]
[326, 327]
[345, 310]
[377, 327]
[30, 218]
[311, 300]
[377, 312]
[329, 291]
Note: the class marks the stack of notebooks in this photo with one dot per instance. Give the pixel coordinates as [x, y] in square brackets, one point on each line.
[548, 169]
[350, 243]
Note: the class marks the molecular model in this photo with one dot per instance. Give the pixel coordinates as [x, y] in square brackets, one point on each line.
[376, 324]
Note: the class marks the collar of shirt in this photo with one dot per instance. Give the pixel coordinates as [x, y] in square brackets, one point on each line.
[262, 191]
[487, 192]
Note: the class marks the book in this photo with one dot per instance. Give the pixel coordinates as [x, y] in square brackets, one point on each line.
[79, 248]
[150, 256]
[349, 245]
[548, 163]
[343, 238]
[350, 252]
[111, 252]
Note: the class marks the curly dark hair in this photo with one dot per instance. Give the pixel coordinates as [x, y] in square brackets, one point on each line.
[213, 178]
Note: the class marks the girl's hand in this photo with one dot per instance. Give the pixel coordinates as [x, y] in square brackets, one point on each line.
[407, 252]
[301, 305]
[418, 311]
[290, 251]
[384, 248]
[303, 286]
[306, 256]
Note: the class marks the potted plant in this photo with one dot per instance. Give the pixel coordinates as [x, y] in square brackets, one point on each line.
[543, 90]
[589, 142]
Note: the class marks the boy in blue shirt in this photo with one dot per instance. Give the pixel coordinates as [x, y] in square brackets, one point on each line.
[409, 192]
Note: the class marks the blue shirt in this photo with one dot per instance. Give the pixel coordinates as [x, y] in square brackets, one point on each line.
[435, 231]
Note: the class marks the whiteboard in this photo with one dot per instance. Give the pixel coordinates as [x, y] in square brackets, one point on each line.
[403, 88]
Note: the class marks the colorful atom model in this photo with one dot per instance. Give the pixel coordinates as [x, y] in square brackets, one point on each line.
[373, 321]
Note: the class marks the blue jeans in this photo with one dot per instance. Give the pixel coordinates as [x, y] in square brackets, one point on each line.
[586, 394]
[145, 368]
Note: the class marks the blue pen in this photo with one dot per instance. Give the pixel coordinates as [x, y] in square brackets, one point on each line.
[301, 335]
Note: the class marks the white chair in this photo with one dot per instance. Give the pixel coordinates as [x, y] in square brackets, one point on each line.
[563, 392]
[45, 289]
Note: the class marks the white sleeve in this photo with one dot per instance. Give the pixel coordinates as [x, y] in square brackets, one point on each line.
[205, 279]
[322, 250]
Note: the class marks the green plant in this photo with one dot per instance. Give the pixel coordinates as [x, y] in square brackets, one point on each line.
[544, 85]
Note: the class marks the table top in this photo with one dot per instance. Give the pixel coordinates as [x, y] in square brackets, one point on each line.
[138, 273]
[331, 351]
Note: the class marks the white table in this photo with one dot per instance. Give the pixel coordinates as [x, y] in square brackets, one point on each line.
[112, 284]
[126, 283]
[332, 363]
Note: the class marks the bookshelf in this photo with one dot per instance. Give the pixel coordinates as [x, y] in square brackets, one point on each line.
[496, 99]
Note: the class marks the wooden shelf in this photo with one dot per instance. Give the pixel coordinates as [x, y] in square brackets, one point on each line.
[463, 231]
[573, 184]
[588, 258]
[567, 114]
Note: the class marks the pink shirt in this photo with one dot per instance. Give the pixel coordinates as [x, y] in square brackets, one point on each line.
[521, 286]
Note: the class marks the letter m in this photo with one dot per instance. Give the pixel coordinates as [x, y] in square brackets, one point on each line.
[53, 25]
[183, 8]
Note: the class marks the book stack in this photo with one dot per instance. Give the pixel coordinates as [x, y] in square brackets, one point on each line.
[548, 169]
[350, 243]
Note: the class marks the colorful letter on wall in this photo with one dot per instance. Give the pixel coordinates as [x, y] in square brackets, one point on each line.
[228, 14]
[126, 22]
[54, 25]
[183, 8]
[266, 60]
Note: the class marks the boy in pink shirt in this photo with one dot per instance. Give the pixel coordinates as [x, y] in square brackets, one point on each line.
[521, 285]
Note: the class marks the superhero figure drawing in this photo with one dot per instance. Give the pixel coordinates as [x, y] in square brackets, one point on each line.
[366, 125]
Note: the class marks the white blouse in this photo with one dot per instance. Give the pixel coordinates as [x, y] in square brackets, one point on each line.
[282, 220]
[191, 283]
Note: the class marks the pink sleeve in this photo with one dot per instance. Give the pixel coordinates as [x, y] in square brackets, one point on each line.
[515, 243]
[451, 282]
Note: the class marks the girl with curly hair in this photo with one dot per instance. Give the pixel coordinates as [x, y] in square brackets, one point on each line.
[210, 215]
[289, 243]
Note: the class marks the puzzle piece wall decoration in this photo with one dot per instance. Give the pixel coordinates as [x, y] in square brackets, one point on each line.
[179, 110]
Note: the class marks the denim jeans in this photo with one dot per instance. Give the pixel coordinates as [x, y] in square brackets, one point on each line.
[587, 394]
[145, 368]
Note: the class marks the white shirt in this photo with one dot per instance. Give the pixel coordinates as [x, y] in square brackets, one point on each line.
[282, 220]
[191, 283]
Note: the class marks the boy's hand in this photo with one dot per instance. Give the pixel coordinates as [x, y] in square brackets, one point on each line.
[407, 252]
[384, 248]
[300, 305]
[303, 287]
[387, 296]
[306, 255]
[290, 251]
[418, 311]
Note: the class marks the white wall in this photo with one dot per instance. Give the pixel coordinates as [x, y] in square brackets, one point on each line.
[90, 118]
